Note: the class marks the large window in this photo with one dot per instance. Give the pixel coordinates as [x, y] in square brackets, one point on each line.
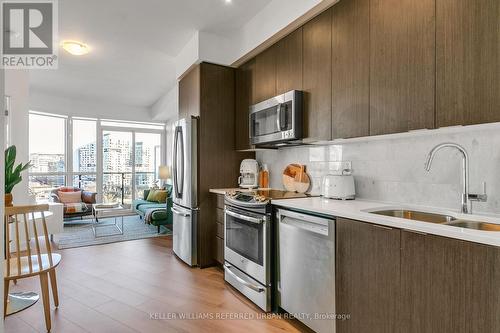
[47, 138]
[84, 154]
[118, 160]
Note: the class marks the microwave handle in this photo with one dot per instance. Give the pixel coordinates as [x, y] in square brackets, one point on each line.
[278, 116]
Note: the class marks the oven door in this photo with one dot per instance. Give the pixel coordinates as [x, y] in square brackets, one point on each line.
[246, 242]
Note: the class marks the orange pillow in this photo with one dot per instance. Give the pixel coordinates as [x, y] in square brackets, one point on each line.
[70, 197]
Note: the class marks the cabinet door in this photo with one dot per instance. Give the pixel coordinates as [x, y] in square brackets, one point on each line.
[367, 277]
[289, 63]
[468, 62]
[265, 75]
[245, 76]
[351, 69]
[449, 285]
[402, 65]
[189, 94]
[317, 80]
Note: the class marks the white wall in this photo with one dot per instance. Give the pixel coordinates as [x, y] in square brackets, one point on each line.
[2, 180]
[17, 86]
[43, 102]
[391, 168]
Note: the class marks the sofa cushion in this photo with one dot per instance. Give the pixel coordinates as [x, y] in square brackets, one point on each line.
[70, 197]
[146, 206]
[151, 195]
[138, 202]
[161, 196]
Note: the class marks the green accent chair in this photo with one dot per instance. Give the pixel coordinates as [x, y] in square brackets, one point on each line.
[163, 213]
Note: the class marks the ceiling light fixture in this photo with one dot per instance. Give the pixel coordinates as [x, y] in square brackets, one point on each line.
[75, 48]
[228, 1]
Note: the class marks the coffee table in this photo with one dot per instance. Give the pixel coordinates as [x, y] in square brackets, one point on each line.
[116, 212]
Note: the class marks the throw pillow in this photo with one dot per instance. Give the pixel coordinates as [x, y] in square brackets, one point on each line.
[161, 196]
[146, 193]
[151, 195]
[70, 197]
[169, 190]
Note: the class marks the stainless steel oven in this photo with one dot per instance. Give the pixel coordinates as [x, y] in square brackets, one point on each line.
[247, 252]
[276, 120]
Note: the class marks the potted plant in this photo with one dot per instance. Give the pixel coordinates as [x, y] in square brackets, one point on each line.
[12, 175]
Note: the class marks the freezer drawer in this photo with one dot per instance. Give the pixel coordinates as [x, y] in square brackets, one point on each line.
[306, 279]
[184, 234]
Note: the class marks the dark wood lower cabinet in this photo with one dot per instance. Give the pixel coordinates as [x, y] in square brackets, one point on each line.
[391, 280]
[449, 285]
[367, 277]
[219, 239]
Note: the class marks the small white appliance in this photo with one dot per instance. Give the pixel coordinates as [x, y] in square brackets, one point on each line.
[339, 187]
[249, 174]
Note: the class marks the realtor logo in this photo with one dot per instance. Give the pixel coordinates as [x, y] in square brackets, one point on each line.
[29, 34]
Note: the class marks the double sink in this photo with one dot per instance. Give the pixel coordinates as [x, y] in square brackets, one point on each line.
[438, 219]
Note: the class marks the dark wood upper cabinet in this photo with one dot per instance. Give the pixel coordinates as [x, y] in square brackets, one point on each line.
[351, 69]
[449, 285]
[265, 75]
[367, 277]
[189, 94]
[468, 62]
[402, 65]
[245, 77]
[317, 73]
[289, 63]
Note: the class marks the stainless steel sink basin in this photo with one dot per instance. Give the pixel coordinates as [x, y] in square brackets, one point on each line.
[475, 225]
[437, 218]
[416, 215]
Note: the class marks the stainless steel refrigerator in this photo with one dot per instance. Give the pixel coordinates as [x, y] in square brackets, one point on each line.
[185, 191]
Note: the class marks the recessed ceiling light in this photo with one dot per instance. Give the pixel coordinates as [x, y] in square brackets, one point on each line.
[228, 1]
[75, 48]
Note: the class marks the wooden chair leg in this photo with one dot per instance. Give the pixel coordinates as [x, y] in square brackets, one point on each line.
[44, 284]
[5, 296]
[53, 285]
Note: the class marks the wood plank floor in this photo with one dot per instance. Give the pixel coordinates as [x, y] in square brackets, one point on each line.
[135, 286]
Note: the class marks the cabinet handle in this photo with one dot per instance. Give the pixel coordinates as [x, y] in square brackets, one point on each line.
[382, 227]
[416, 232]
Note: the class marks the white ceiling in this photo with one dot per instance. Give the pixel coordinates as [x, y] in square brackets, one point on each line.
[133, 45]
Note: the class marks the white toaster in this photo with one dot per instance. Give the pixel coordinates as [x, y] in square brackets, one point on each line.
[339, 187]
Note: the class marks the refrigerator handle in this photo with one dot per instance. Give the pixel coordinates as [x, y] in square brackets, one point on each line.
[174, 162]
[181, 191]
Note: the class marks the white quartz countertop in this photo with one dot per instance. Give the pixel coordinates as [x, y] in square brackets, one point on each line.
[359, 210]
[224, 190]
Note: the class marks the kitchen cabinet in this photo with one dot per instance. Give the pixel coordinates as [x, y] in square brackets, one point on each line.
[265, 75]
[402, 65]
[468, 62]
[449, 285]
[317, 77]
[244, 81]
[208, 92]
[351, 69]
[219, 252]
[189, 94]
[289, 63]
[367, 277]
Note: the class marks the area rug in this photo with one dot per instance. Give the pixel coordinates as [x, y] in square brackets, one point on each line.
[79, 233]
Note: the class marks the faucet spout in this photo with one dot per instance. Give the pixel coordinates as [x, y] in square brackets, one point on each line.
[465, 170]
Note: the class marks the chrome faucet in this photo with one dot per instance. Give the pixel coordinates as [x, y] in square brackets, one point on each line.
[466, 196]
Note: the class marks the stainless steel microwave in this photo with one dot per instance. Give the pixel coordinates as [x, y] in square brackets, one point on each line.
[276, 120]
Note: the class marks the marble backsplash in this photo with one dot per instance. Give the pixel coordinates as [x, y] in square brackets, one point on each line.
[391, 167]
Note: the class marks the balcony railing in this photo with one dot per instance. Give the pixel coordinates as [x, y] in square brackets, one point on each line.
[116, 186]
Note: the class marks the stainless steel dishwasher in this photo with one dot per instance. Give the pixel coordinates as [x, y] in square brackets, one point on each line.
[306, 269]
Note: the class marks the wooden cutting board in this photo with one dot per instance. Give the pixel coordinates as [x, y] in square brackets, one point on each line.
[295, 178]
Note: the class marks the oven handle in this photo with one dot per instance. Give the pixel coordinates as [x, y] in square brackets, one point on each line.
[243, 217]
[227, 269]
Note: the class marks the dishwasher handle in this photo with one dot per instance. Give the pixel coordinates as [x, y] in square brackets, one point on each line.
[314, 224]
